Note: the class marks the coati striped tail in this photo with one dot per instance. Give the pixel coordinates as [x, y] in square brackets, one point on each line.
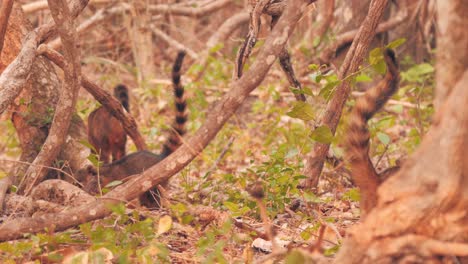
[178, 127]
[357, 137]
[121, 93]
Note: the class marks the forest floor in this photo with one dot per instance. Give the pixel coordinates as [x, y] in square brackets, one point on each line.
[212, 218]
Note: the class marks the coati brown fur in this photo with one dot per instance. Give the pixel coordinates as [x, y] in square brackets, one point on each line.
[105, 132]
[139, 161]
[357, 140]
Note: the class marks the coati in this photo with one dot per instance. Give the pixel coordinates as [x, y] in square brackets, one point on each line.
[105, 132]
[363, 172]
[139, 161]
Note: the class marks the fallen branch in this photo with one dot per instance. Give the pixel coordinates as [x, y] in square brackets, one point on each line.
[103, 97]
[66, 104]
[351, 63]
[162, 171]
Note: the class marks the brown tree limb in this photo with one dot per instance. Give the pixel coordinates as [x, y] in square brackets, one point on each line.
[162, 171]
[354, 58]
[102, 96]
[5, 11]
[66, 105]
[14, 77]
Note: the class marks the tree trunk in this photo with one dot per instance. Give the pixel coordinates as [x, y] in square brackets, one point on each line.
[33, 109]
[422, 212]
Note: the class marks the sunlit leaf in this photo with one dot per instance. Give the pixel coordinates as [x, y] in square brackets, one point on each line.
[302, 110]
[164, 224]
[384, 138]
[322, 134]
[396, 43]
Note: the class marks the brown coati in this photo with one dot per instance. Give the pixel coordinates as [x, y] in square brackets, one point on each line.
[139, 161]
[105, 132]
[363, 172]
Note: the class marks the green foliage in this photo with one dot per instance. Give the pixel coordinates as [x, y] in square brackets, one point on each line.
[302, 110]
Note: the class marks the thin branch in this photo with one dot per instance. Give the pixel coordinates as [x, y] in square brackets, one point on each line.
[5, 11]
[66, 104]
[163, 170]
[102, 96]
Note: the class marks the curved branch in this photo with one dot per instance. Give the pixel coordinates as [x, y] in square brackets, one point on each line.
[66, 105]
[162, 171]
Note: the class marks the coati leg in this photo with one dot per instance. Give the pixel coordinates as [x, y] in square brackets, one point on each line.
[363, 172]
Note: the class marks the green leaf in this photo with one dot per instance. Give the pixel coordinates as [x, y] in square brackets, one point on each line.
[375, 56]
[313, 67]
[352, 195]
[316, 76]
[233, 207]
[113, 183]
[380, 67]
[322, 134]
[302, 110]
[363, 78]
[295, 257]
[396, 43]
[164, 224]
[88, 145]
[384, 138]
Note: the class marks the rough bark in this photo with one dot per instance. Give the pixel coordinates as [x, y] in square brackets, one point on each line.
[422, 211]
[162, 171]
[66, 104]
[5, 11]
[452, 31]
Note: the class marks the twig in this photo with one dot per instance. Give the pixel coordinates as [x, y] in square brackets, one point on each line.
[5, 11]
[162, 171]
[67, 100]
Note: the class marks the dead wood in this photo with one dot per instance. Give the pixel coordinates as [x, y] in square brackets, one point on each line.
[60, 192]
[67, 100]
[102, 96]
[354, 58]
[5, 11]
[162, 171]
